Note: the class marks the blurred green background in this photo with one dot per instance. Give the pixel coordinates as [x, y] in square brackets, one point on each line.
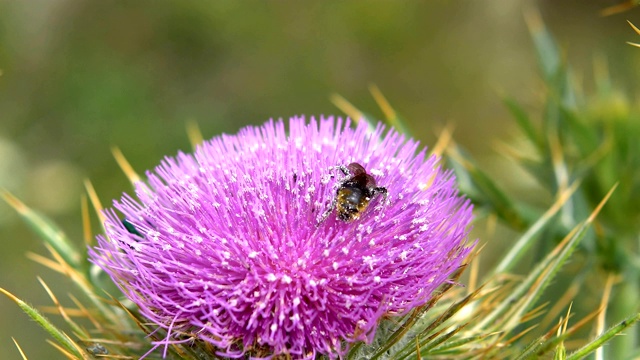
[79, 77]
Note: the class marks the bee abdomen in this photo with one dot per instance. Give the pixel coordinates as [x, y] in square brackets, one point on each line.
[351, 202]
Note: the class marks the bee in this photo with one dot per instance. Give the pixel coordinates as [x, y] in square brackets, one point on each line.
[354, 193]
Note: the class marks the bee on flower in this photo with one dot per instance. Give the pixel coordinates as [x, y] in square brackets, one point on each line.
[228, 248]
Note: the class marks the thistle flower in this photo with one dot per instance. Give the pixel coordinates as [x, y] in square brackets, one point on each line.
[228, 245]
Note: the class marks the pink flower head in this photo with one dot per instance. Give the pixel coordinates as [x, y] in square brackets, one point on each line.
[228, 244]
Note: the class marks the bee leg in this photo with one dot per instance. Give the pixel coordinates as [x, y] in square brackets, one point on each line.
[380, 190]
[342, 168]
[327, 212]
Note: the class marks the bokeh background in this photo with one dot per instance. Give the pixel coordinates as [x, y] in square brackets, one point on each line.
[79, 77]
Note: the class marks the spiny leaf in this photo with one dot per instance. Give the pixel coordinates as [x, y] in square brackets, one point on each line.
[522, 118]
[482, 189]
[522, 246]
[564, 300]
[64, 351]
[83, 283]
[606, 293]
[426, 349]
[456, 343]
[512, 308]
[126, 167]
[427, 334]
[74, 326]
[586, 136]
[47, 230]
[86, 223]
[545, 46]
[390, 114]
[95, 201]
[353, 112]
[604, 337]
[62, 338]
[637, 32]
[399, 338]
[24, 357]
[547, 342]
[86, 314]
[619, 8]
[561, 352]
[194, 134]
[535, 346]
[443, 142]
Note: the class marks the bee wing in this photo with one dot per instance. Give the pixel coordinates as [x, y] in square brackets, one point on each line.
[371, 182]
[356, 169]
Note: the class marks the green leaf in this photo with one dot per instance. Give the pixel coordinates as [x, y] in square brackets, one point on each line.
[482, 189]
[561, 352]
[62, 338]
[584, 136]
[547, 51]
[526, 241]
[47, 230]
[509, 312]
[429, 337]
[523, 120]
[600, 340]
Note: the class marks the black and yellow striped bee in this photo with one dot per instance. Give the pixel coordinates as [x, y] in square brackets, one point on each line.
[354, 193]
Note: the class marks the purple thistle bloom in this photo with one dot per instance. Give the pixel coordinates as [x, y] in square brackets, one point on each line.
[227, 245]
